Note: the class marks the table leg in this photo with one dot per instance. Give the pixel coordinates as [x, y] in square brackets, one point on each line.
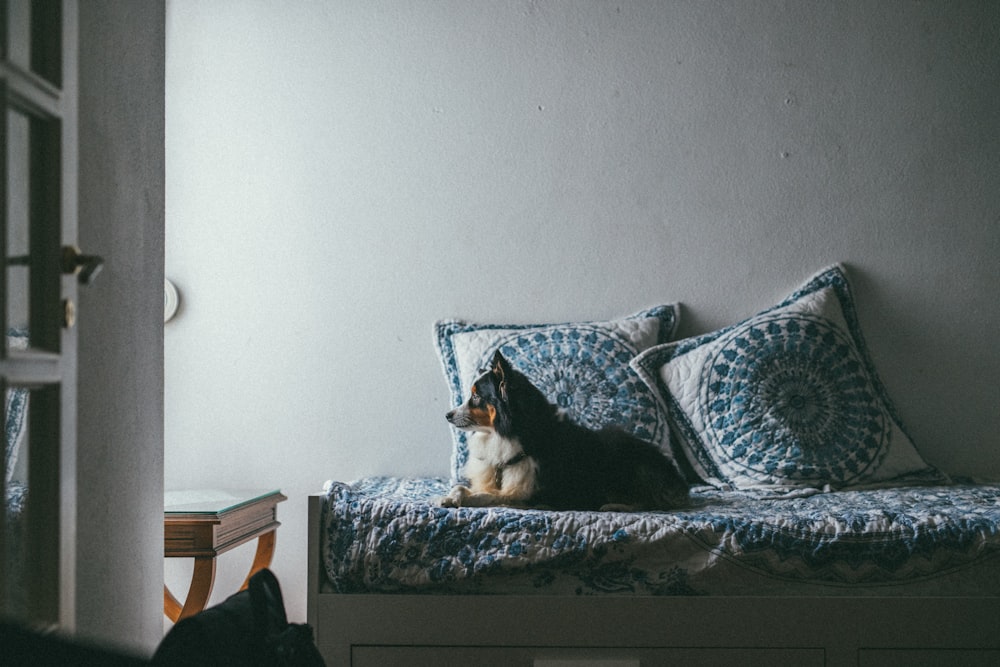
[202, 581]
[261, 559]
[171, 607]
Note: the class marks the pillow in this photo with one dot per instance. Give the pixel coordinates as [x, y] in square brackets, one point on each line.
[15, 410]
[787, 398]
[583, 367]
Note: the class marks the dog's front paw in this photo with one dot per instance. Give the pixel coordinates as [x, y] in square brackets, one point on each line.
[454, 497]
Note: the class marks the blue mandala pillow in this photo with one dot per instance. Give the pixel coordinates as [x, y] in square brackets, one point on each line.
[15, 411]
[583, 367]
[787, 398]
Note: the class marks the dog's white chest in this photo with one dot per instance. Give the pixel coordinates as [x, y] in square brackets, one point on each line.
[498, 464]
[492, 449]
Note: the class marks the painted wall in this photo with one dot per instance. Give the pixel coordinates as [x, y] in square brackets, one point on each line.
[120, 445]
[342, 174]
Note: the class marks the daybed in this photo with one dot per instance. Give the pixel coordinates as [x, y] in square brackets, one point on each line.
[15, 416]
[816, 533]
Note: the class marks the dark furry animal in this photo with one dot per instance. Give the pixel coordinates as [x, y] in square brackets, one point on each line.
[523, 452]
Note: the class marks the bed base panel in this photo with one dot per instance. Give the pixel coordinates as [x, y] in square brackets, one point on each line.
[376, 629]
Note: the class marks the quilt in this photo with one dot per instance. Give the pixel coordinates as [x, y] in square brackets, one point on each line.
[387, 535]
[14, 543]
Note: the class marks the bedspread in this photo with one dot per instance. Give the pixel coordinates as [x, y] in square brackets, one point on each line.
[384, 534]
[14, 548]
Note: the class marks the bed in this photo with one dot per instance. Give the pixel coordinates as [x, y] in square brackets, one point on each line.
[15, 490]
[816, 533]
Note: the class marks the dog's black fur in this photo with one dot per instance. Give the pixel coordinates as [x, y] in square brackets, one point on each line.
[523, 452]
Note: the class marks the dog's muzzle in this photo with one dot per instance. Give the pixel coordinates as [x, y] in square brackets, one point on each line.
[459, 419]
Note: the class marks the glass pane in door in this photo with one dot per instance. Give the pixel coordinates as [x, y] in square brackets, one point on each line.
[18, 236]
[18, 33]
[37, 523]
[15, 508]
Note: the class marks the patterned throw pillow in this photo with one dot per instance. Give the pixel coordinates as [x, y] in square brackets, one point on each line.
[15, 410]
[583, 367]
[786, 398]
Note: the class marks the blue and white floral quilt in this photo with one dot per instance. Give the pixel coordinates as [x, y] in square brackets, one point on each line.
[14, 547]
[385, 535]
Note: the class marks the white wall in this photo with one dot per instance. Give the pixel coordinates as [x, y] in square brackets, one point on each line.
[120, 445]
[342, 174]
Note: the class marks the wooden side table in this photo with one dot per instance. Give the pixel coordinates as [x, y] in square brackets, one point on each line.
[204, 524]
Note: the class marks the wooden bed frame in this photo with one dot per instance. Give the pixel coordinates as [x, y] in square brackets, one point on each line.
[417, 630]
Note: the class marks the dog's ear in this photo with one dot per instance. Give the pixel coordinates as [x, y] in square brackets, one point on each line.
[499, 368]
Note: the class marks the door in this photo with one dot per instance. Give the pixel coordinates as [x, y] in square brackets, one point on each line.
[38, 155]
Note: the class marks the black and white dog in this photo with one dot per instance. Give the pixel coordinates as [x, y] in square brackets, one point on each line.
[524, 452]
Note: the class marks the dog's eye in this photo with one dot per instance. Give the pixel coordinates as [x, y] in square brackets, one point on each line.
[475, 400]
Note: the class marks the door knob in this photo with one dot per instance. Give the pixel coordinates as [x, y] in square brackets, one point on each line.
[86, 267]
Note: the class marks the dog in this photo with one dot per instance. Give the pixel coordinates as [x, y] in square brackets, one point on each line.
[524, 452]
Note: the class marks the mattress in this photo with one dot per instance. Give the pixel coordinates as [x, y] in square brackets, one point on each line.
[387, 535]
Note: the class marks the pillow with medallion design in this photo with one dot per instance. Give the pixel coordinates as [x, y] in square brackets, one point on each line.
[787, 398]
[15, 410]
[582, 367]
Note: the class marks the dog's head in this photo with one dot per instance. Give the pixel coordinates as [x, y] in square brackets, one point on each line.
[500, 397]
[486, 401]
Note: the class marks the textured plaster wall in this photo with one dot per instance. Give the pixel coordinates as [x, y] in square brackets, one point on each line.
[120, 389]
[342, 174]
